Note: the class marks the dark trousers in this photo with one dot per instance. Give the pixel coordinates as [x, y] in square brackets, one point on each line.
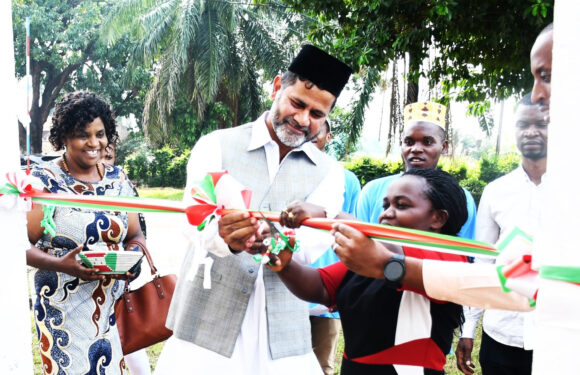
[498, 359]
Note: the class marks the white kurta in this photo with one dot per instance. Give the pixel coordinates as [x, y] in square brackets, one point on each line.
[251, 354]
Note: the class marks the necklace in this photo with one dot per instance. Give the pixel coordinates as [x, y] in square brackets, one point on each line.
[65, 166]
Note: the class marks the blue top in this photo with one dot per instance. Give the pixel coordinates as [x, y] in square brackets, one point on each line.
[351, 192]
[370, 204]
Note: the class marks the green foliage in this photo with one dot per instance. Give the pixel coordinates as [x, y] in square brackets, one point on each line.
[475, 186]
[492, 167]
[164, 167]
[66, 55]
[137, 166]
[159, 166]
[471, 175]
[207, 54]
[368, 169]
[484, 45]
[133, 142]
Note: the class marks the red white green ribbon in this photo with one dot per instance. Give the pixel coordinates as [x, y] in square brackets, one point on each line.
[198, 213]
[390, 234]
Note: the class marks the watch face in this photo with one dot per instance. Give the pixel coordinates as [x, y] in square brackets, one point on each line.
[394, 271]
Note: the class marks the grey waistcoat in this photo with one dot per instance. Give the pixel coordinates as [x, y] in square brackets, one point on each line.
[212, 318]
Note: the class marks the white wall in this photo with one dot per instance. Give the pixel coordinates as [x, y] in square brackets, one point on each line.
[15, 345]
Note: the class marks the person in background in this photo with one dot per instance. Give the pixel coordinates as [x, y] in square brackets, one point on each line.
[325, 327]
[248, 322]
[74, 308]
[510, 201]
[424, 141]
[138, 361]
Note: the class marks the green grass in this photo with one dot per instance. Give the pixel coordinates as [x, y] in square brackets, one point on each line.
[451, 366]
[161, 193]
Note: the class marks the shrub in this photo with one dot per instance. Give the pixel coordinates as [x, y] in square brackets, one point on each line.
[162, 168]
[137, 166]
[470, 174]
[492, 167]
[162, 159]
[368, 169]
[177, 171]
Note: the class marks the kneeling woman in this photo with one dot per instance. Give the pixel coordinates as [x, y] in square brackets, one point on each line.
[389, 328]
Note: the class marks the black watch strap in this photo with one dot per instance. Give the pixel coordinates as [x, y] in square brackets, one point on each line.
[233, 251]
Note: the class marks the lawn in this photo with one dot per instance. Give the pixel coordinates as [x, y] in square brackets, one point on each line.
[161, 193]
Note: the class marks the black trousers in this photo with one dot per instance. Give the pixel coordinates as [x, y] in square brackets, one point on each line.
[498, 359]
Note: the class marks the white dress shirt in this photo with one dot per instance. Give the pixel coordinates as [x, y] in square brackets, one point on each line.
[511, 200]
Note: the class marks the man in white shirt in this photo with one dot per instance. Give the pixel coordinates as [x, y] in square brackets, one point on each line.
[248, 322]
[512, 200]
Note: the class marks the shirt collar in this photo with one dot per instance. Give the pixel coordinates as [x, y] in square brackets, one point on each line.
[526, 177]
[261, 137]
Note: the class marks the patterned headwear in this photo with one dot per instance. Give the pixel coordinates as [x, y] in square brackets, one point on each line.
[426, 111]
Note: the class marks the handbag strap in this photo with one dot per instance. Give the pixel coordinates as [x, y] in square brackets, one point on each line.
[146, 253]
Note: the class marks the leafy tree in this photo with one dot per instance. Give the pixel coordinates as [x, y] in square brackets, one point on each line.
[65, 55]
[483, 46]
[207, 52]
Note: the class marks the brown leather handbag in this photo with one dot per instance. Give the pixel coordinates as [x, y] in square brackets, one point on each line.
[141, 314]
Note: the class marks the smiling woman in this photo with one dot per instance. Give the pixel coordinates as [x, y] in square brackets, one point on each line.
[74, 307]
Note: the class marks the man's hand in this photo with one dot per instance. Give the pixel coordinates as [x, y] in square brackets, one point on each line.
[464, 362]
[238, 230]
[261, 239]
[358, 252]
[297, 211]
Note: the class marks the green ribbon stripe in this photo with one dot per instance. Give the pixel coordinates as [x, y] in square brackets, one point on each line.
[561, 273]
[100, 206]
[458, 248]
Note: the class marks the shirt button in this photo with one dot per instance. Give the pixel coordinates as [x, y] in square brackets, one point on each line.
[251, 270]
[244, 290]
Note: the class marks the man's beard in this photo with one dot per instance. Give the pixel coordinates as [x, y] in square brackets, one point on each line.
[288, 137]
[536, 155]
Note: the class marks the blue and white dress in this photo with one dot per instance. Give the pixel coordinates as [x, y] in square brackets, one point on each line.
[75, 319]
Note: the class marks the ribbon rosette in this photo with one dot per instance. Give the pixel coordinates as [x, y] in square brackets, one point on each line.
[15, 189]
[514, 265]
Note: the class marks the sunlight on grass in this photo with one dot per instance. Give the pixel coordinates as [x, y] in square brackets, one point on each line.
[161, 193]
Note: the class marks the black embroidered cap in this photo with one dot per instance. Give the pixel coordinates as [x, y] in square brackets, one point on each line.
[325, 71]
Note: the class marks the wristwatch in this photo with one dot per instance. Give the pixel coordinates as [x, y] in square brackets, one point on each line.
[395, 268]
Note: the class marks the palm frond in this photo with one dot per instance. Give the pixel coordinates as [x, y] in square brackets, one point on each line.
[356, 118]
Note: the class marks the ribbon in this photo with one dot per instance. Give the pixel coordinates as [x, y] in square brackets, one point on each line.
[212, 198]
[13, 192]
[389, 234]
[561, 273]
[198, 212]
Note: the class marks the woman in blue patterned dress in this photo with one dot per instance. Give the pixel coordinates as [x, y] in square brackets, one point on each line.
[74, 308]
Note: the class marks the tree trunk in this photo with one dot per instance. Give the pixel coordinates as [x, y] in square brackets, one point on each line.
[395, 115]
[53, 80]
[412, 87]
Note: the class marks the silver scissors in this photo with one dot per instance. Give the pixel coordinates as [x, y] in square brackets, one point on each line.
[273, 229]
